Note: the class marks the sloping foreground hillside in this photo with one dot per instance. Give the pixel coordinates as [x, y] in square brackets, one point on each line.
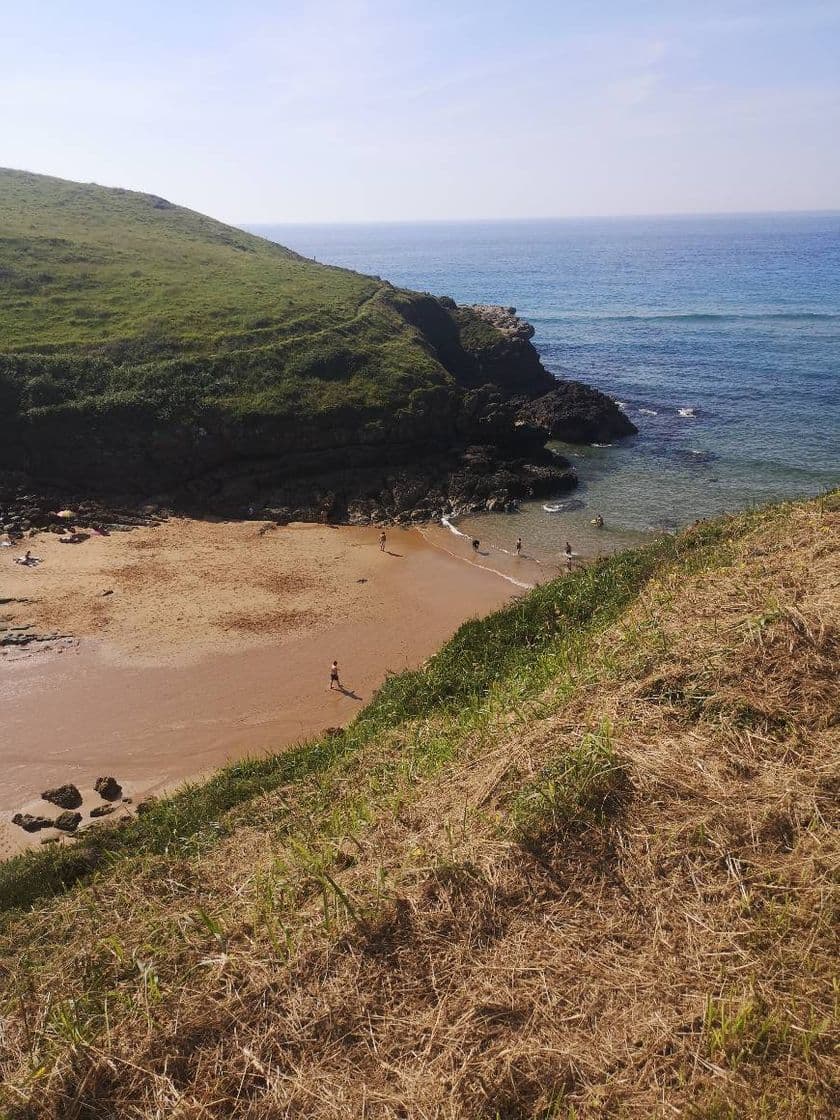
[147, 349]
[582, 864]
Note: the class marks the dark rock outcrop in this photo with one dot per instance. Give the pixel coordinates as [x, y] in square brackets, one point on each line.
[480, 345]
[109, 789]
[68, 821]
[66, 796]
[26, 508]
[102, 810]
[576, 413]
[31, 823]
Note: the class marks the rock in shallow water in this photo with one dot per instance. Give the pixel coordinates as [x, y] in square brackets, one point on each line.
[577, 413]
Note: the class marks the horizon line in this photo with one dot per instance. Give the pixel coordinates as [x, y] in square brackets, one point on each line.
[827, 212]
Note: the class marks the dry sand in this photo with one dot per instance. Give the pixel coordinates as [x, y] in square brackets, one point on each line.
[194, 642]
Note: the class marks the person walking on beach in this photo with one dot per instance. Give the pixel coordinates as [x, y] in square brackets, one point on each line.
[382, 540]
[519, 546]
[568, 549]
[334, 681]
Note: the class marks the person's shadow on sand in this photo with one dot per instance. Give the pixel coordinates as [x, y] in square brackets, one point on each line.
[388, 552]
[349, 693]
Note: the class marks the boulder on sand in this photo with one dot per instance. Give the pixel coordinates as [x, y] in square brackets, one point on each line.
[102, 810]
[67, 821]
[30, 823]
[66, 796]
[109, 789]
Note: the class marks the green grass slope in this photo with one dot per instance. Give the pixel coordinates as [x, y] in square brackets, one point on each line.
[582, 864]
[83, 264]
[137, 335]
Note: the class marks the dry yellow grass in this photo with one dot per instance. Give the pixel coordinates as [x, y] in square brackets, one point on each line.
[390, 941]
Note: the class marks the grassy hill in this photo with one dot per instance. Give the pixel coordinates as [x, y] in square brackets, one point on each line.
[581, 864]
[85, 264]
[144, 343]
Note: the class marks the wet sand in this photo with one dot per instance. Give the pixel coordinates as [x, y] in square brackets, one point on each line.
[214, 643]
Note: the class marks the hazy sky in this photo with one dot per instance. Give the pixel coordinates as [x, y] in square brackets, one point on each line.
[330, 110]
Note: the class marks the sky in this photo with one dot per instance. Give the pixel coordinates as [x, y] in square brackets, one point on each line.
[383, 110]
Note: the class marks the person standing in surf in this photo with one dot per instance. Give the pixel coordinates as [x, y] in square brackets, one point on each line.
[519, 546]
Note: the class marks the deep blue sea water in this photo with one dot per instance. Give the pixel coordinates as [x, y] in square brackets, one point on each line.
[720, 336]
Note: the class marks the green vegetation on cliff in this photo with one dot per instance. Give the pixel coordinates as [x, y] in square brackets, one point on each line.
[581, 864]
[137, 335]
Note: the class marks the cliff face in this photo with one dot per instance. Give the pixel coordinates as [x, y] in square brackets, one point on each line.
[444, 448]
[480, 345]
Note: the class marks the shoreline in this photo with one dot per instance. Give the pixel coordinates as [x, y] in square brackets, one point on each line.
[213, 644]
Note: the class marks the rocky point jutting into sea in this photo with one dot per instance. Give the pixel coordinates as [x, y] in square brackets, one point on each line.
[151, 355]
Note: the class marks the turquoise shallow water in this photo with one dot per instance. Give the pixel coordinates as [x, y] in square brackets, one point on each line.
[720, 335]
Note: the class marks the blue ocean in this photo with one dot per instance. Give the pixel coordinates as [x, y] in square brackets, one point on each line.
[720, 336]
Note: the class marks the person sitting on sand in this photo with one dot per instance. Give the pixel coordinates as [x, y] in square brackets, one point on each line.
[334, 681]
[519, 546]
[382, 540]
[28, 560]
[598, 521]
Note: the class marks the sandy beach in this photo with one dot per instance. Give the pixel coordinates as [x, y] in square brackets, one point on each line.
[181, 646]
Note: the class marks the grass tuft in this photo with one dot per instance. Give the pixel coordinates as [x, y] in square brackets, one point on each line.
[579, 787]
